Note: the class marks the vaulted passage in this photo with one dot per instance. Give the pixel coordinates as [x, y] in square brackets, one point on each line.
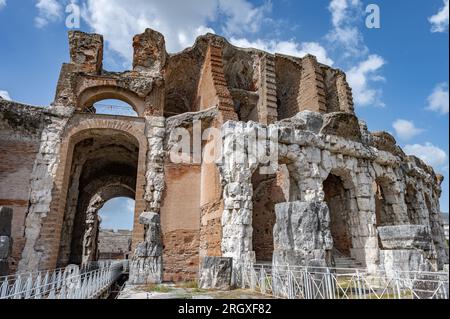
[104, 166]
[339, 200]
[384, 201]
[268, 190]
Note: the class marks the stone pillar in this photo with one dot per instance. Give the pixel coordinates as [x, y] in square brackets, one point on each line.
[302, 235]
[267, 103]
[39, 251]
[149, 51]
[366, 249]
[5, 239]
[312, 87]
[344, 94]
[86, 51]
[146, 264]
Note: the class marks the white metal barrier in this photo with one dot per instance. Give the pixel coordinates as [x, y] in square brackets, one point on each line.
[331, 283]
[64, 283]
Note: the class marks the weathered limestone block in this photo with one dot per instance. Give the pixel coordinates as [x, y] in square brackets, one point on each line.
[215, 273]
[392, 261]
[305, 121]
[384, 141]
[302, 233]
[145, 270]
[342, 124]
[86, 51]
[146, 264]
[405, 237]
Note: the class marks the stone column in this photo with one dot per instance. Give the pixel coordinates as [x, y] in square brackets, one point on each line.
[5, 239]
[366, 248]
[146, 265]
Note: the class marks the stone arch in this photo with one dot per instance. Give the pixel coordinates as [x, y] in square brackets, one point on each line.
[91, 222]
[268, 190]
[82, 128]
[340, 196]
[82, 236]
[385, 201]
[94, 94]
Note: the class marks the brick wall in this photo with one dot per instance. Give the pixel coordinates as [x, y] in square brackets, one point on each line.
[180, 222]
[20, 132]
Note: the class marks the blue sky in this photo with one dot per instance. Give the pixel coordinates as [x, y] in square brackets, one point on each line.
[117, 213]
[399, 72]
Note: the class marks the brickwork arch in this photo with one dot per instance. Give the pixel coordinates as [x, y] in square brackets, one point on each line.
[79, 129]
[89, 96]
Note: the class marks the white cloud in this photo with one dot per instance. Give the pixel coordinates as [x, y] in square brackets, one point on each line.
[438, 100]
[345, 15]
[2, 4]
[406, 129]
[361, 76]
[180, 21]
[129, 206]
[48, 11]
[243, 16]
[429, 153]
[5, 95]
[287, 47]
[347, 42]
[439, 22]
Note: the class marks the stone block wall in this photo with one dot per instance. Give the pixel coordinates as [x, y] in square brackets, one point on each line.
[21, 127]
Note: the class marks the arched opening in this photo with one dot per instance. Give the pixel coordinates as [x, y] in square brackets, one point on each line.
[103, 167]
[112, 107]
[116, 225]
[384, 201]
[268, 190]
[338, 198]
[98, 99]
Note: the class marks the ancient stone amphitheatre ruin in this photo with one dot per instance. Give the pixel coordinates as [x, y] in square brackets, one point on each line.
[334, 195]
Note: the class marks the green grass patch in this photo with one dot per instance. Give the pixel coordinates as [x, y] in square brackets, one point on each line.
[156, 288]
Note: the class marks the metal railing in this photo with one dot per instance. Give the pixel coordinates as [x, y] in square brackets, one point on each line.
[290, 282]
[64, 283]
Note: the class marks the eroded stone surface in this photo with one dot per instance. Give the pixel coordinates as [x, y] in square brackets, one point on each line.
[303, 109]
[215, 273]
[405, 237]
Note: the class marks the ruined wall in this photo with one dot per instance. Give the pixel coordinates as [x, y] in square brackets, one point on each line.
[180, 222]
[114, 244]
[21, 127]
[184, 212]
[321, 145]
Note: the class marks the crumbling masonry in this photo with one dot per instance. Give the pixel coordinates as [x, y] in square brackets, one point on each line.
[339, 191]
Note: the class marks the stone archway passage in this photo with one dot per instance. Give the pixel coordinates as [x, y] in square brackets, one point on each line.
[268, 190]
[104, 166]
[338, 201]
[384, 201]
